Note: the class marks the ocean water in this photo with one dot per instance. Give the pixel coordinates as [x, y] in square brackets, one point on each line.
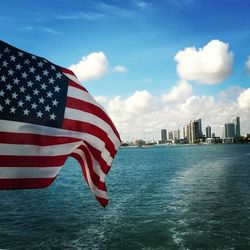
[182, 197]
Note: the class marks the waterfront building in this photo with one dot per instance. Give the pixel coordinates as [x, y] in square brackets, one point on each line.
[229, 130]
[213, 135]
[236, 122]
[222, 132]
[199, 127]
[170, 136]
[163, 135]
[176, 135]
[208, 132]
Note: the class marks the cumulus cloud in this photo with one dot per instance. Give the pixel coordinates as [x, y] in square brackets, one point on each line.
[120, 69]
[178, 92]
[208, 65]
[92, 66]
[143, 115]
[244, 99]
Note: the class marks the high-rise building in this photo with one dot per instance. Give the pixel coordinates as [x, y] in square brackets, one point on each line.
[164, 135]
[194, 132]
[222, 132]
[236, 122]
[199, 127]
[208, 132]
[170, 135]
[176, 135]
[229, 130]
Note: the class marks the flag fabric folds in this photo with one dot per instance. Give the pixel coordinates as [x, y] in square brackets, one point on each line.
[46, 115]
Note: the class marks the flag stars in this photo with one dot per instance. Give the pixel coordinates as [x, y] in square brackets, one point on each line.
[9, 87]
[20, 54]
[51, 80]
[26, 112]
[16, 81]
[39, 114]
[47, 108]
[41, 100]
[52, 67]
[34, 105]
[30, 83]
[22, 89]
[32, 70]
[24, 75]
[12, 58]
[59, 75]
[28, 98]
[54, 103]
[10, 72]
[2, 93]
[45, 72]
[57, 89]
[13, 110]
[14, 95]
[7, 50]
[7, 101]
[33, 57]
[27, 61]
[38, 78]
[3, 78]
[20, 103]
[49, 94]
[40, 64]
[1, 108]
[19, 66]
[52, 117]
[5, 64]
[43, 86]
[36, 91]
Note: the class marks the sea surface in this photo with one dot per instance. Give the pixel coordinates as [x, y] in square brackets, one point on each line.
[179, 197]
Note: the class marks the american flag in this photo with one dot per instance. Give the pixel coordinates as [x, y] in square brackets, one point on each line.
[46, 115]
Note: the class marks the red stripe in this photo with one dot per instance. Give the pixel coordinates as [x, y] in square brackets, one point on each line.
[103, 202]
[67, 71]
[32, 139]
[93, 109]
[27, 183]
[32, 161]
[76, 85]
[85, 127]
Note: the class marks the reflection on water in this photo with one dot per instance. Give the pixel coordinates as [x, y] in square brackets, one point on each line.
[187, 197]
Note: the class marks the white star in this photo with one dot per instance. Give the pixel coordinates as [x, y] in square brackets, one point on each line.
[26, 112]
[20, 54]
[38, 78]
[1, 107]
[14, 95]
[39, 114]
[9, 87]
[12, 58]
[16, 81]
[24, 75]
[19, 66]
[51, 80]
[49, 94]
[34, 105]
[32, 70]
[54, 103]
[36, 91]
[1, 93]
[58, 75]
[7, 101]
[3, 78]
[52, 117]
[43, 86]
[53, 67]
[47, 108]
[56, 89]
[7, 50]
[5, 64]
[40, 64]
[13, 110]
[22, 89]
[20, 103]
[27, 97]
[10, 72]
[30, 83]
[27, 61]
[41, 100]
[45, 72]
[33, 57]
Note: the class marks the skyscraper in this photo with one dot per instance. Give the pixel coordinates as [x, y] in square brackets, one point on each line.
[236, 122]
[229, 130]
[208, 132]
[164, 135]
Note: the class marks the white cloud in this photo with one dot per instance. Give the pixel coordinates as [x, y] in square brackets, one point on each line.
[142, 115]
[209, 65]
[93, 66]
[120, 69]
[178, 92]
[244, 99]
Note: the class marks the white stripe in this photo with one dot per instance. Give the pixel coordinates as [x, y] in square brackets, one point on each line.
[30, 172]
[97, 192]
[82, 116]
[72, 77]
[19, 127]
[96, 166]
[33, 150]
[83, 96]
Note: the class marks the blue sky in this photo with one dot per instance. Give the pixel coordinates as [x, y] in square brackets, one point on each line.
[143, 38]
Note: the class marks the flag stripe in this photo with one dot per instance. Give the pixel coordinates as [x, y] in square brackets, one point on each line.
[25, 183]
[33, 172]
[77, 115]
[30, 161]
[33, 139]
[90, 108]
